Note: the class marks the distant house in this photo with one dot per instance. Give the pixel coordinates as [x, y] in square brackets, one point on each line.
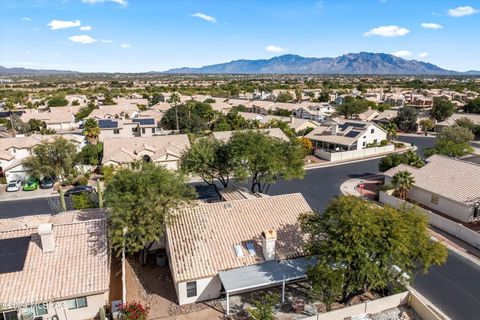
[54, 266]
[368, 115]
[163, 150]
[475, 118]
[118, 111]
[294, 123]
[421, 102]
[134, 127]
[446, 185]
[314, 111]
[225, 136]
[57, 118]
[236, 246]
[345, 135]
[14, 150]
[261, 106]
[385, 117]
[395, 100]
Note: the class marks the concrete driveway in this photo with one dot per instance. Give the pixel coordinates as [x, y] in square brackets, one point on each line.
[24, 195]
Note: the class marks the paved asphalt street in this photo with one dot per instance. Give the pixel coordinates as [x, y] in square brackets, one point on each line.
[453, 287]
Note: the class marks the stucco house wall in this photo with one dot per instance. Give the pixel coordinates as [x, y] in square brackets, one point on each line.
[207, 289]
[444, 205]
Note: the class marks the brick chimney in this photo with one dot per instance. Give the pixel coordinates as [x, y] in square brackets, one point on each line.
[46, 237]
[269, 237]
[334, 128]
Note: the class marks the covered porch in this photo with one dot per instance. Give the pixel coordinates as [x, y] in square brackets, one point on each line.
[334, 146]
[265, 275]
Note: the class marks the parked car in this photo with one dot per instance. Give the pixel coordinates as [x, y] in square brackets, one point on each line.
[14, 185]
[78, 190]
[30, 185]
[47, 183]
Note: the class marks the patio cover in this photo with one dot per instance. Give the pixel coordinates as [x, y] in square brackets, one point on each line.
[264, 275]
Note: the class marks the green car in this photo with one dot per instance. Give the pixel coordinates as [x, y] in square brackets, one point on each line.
[31, 184]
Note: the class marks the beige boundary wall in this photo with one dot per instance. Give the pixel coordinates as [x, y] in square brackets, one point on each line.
[379, 305]
[353, 154]
[455, 229]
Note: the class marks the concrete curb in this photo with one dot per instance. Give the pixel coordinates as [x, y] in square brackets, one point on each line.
[429, 304]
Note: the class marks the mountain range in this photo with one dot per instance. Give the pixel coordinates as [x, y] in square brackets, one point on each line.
[351, 63]
[363, 63]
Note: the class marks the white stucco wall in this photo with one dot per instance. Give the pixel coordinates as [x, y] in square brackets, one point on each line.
[60, 309]
[207, 289]
[369, 137]
[353, 154]
[446, 206]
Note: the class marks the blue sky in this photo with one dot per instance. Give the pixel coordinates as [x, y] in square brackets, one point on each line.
[146, 35]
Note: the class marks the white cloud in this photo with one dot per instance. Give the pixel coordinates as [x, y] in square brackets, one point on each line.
[205, 17]
[274, 49]
[387, 31]
[403, 54]
[120, 2]
[431, 25]
[26, 19]
[423, 55]
[86, 28]
[84, 39]
[462, 11]
[61, 24]
[106, 41]
[125, 45]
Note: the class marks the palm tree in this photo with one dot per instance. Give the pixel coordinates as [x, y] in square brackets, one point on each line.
[402, 181]
[391, 129]
[91, 131]
[175, 99]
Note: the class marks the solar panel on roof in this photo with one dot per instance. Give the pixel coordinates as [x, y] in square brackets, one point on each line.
[107, 124]
[352, 124]
[144, 121]
[352, 134]
[13, 254]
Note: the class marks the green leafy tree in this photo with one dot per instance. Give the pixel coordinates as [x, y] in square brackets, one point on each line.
[265, 159]
[82, 201]
[352, 107]
[210, 160]
[298, 95]
[427, 124]
[366, 243]
[36, 125]
[192, 117]
[465, 122]
[406, 119]
[456, 134]
[282, 112]
[141, 202]
[392, 160]
[327, 283]
[442, 109]
[57, 101]
[175, 100]
[473, 106]
[91, 130]
[90, 154]
[51, 159]
[85, 111]
[403, 182]
[263, 309]
[282, 125]
[284, 96]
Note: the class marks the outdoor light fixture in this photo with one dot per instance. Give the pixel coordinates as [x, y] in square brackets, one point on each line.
[476, 209]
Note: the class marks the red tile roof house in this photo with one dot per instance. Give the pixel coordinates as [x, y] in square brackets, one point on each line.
[55, 265]
[236, 246]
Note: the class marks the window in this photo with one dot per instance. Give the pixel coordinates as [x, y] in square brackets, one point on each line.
[116, 131]
[372, 131]
[77, 303]
[38, 310]
[375, 141]
[434, 199]
[143, 130]
[153, 130]
[135, 129]
[9, 315]
[191, 289]
[364, 143]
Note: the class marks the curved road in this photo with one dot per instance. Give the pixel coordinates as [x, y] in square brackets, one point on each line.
[453, 287]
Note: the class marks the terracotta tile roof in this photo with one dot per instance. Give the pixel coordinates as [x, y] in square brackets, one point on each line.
[54, 116]
[202, 237]
[232, 193]
[224, 136]
[113, 110]
[78, 266]
[475, 118]
[124, 150]
[450, 178]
